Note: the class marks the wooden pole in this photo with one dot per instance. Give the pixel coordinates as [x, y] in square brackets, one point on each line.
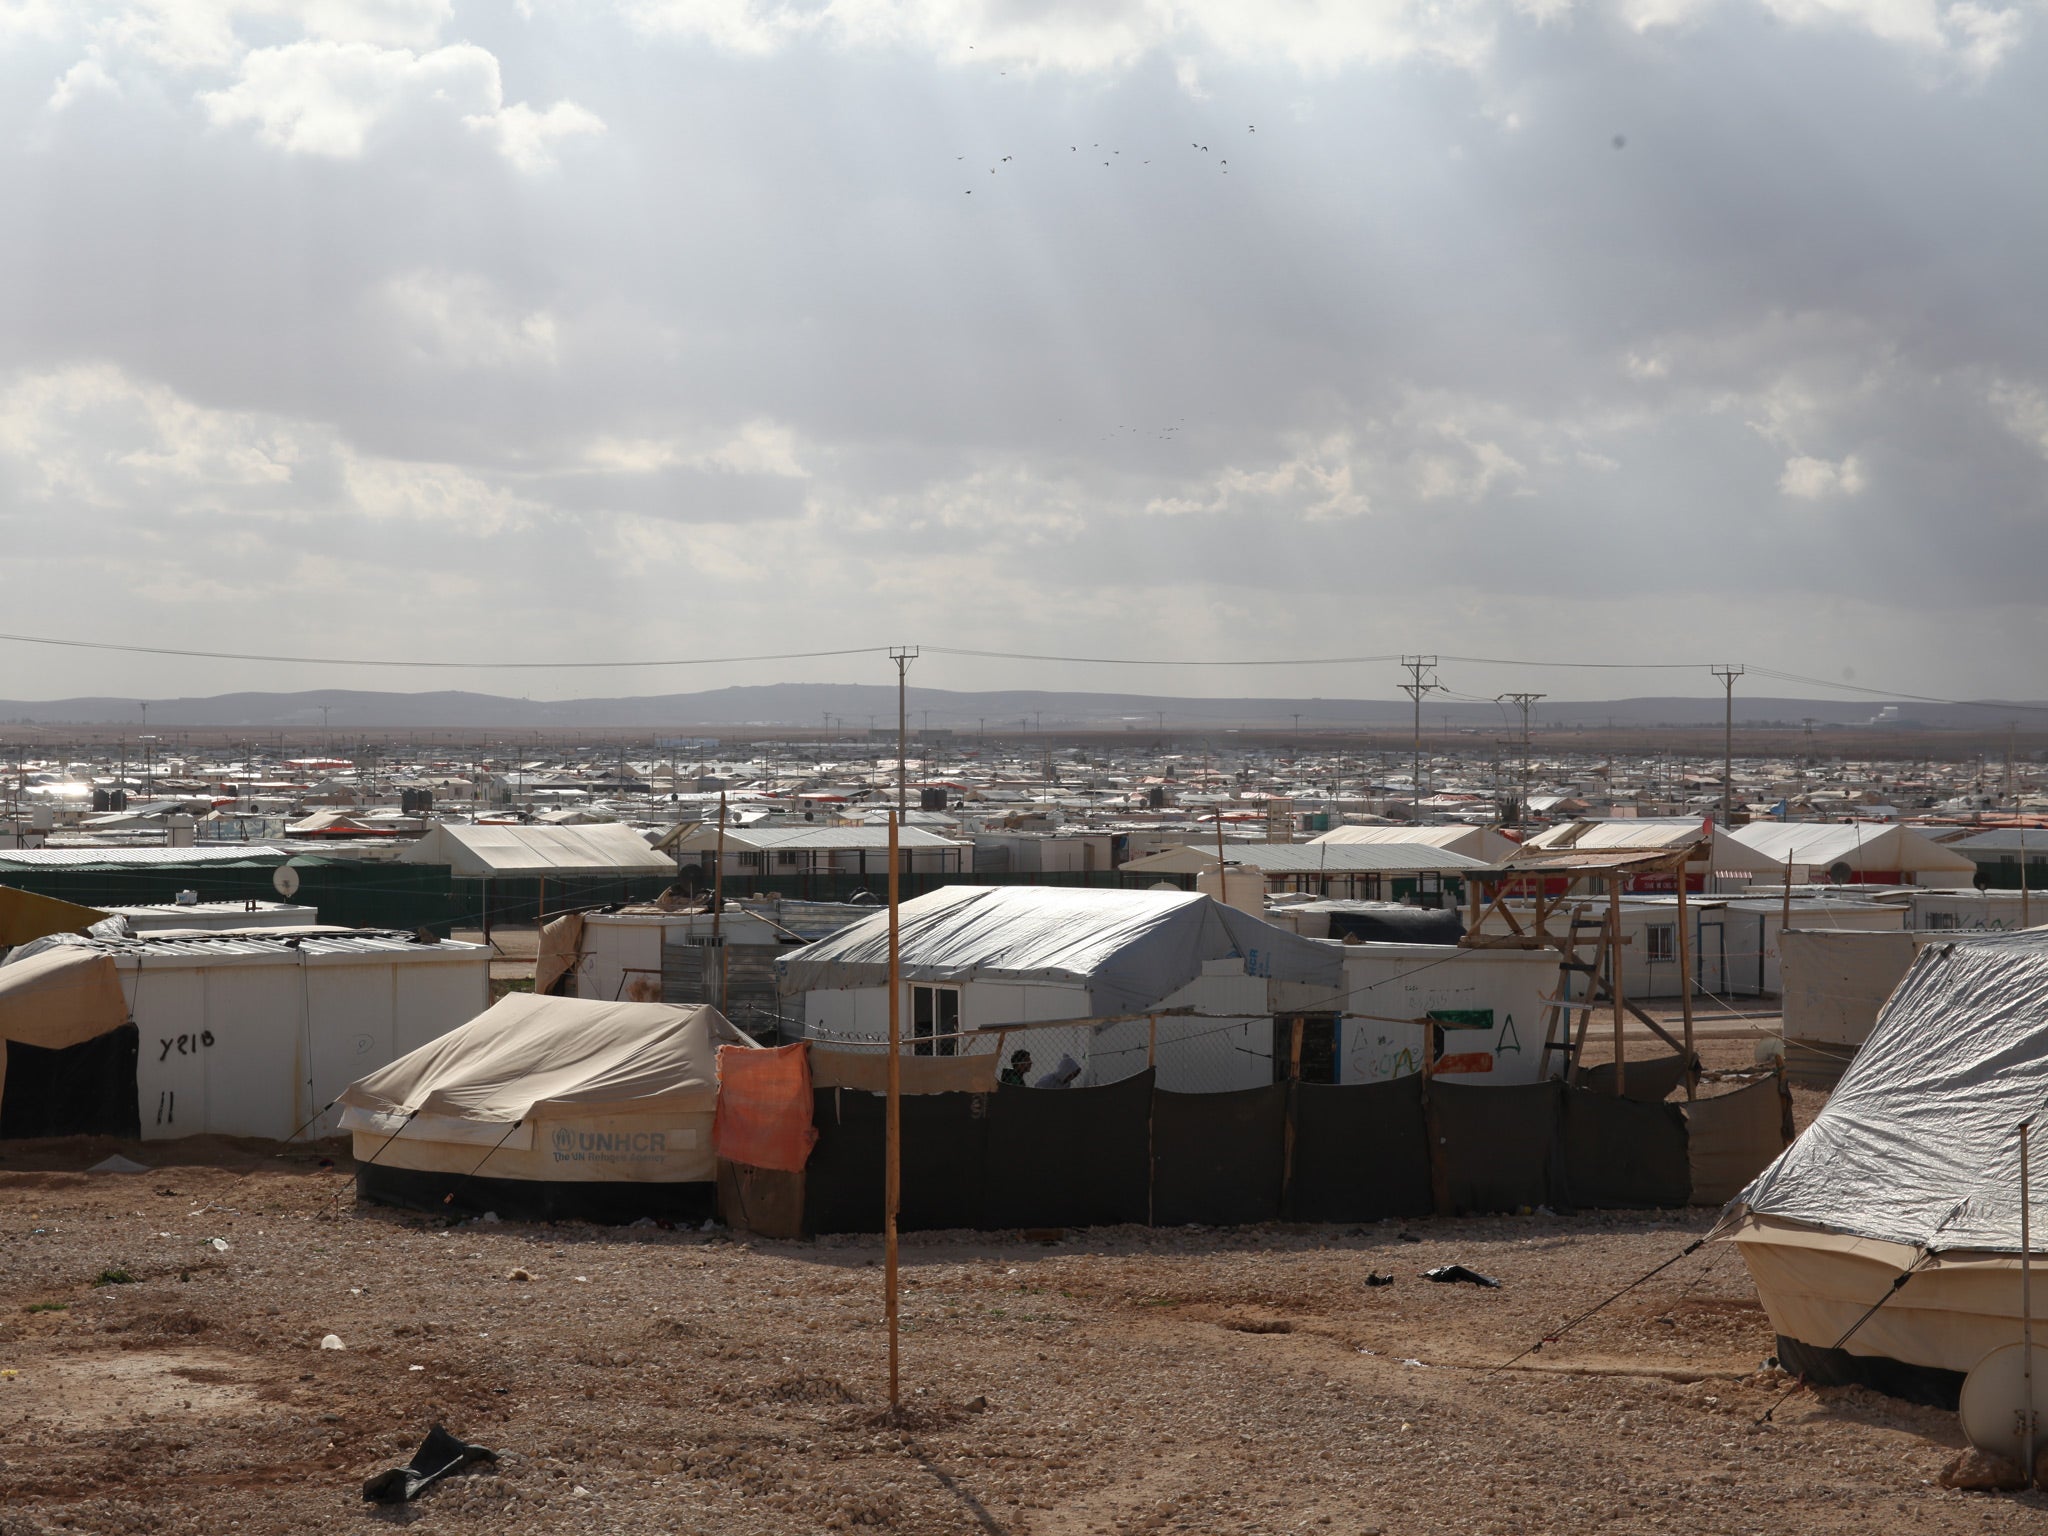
[2026, 1308]
[1151, 1041]
[1614, 987]
[892, 1172]
[718, 902]
[1692, 1076]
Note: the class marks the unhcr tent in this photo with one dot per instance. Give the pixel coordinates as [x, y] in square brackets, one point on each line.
[68, 1067]
[1912, 1166]
[548, 1108]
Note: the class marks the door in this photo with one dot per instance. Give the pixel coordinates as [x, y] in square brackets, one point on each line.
[935, 1021]
[1713, 961]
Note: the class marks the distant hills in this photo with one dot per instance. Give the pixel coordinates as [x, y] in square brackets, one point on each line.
[853, 706]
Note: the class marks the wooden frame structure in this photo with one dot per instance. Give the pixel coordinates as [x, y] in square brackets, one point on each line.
[1538, 873]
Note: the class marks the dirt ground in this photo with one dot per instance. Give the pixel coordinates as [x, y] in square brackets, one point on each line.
[1118, 1381]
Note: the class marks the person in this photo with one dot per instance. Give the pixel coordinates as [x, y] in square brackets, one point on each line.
[1014, 1073]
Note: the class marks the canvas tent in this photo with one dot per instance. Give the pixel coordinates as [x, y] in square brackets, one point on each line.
[502, 852]
[548, 1107]
[1913, 1164]
[67, 1048]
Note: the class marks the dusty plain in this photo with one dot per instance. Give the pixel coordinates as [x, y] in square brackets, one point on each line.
[1116, 1381]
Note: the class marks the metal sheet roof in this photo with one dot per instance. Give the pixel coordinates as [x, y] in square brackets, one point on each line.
[62, 858]
[1310, 859]
[279, 945]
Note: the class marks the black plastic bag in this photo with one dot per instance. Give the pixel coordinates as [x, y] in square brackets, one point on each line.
[1448, 1274]
[439, 1454]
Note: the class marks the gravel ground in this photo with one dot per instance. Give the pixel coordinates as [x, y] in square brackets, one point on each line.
[1120, 1381]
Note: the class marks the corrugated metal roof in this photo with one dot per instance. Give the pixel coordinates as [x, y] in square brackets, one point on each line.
[211, 946]
[820, 839]
[1310, 859]
[60, 858]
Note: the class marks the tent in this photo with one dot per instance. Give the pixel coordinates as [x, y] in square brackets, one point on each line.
[1125, 949]
[1481, 843]
[486, 852]
[67, 1047]
[1913, 1165]
[548, 1108]
[25, 916]
[1856, 853]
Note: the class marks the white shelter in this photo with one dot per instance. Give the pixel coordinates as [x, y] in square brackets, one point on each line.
[982, 965]
[1856, 853]
[250, 1034]
[1481, 843]
[501, 852]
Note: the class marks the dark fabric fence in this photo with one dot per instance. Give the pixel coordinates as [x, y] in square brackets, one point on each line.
[1081, 1157]
[1360, 1152]
[1619, 1154]
[1217, 1157]
[87, 1089]
[1497, 1147]
[1128, 1152]
[1649, 1082]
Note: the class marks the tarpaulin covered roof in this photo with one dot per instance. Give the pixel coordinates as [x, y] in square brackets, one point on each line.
[477, 852]
[528, 1053]
[1310, 859]
[59, 998]
[24, 915]
[1128, 948]
[1918, 1143]
[1860, 845]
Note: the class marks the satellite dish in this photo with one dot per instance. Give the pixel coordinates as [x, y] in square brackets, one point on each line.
[285, 881]
[1994, 1399]
[1840, 873]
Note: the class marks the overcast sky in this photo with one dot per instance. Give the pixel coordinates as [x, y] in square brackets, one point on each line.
[1661, 330]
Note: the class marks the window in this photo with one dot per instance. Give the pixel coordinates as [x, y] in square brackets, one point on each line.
[750, 861]
[935, 1021]
[1663, 941]
[785, 858]
[1938, 921]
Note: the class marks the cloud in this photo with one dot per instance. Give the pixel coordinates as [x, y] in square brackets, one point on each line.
[329, 98]
[88, 75]
[1811, 479]
[458, 320]
[1316, 37]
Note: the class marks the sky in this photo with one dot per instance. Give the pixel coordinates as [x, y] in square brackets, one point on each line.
[578, 330]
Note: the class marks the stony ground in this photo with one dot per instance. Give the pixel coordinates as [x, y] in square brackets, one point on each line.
[1117, 1382]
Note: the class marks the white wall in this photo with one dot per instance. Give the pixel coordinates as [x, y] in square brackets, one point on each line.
[1387, 984]
[252, 1046]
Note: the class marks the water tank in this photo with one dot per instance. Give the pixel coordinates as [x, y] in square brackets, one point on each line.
[1235, 886]
[932, 798]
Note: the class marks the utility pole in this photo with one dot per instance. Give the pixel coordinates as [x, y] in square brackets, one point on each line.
[1728, 673]
[1523, 701]
[1421, 680]
[903, 656]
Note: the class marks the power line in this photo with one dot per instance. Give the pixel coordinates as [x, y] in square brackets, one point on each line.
[497, 666]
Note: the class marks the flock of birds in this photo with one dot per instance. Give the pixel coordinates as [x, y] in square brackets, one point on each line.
[1223, 165]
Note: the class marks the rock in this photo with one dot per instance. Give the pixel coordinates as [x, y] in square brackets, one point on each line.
[519, 1274]
[1979, 1472]
[332, 1341]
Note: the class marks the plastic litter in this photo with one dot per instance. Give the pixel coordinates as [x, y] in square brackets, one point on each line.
[439, 1455]
[1458, 1274]
[217, 1244]
[118, 1164]
[1375, 1280]
[332, 1341]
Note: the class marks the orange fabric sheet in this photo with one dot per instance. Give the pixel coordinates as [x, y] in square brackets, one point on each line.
[764, 1107]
